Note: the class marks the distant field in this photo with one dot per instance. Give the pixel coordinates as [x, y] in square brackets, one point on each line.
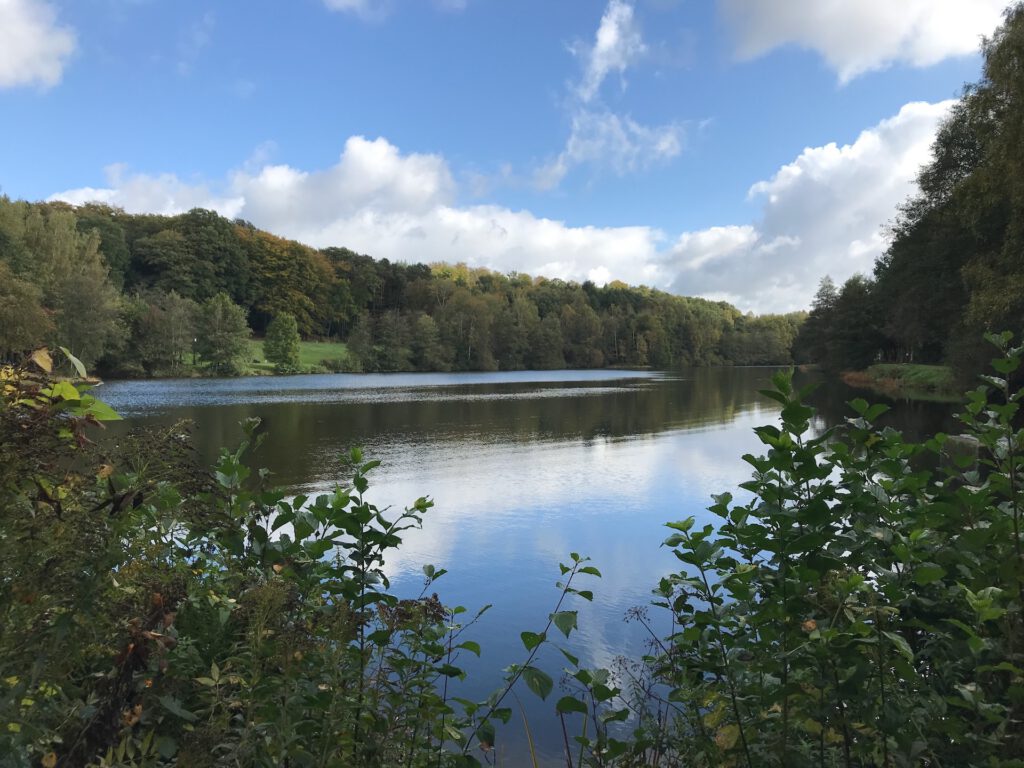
[311, 355]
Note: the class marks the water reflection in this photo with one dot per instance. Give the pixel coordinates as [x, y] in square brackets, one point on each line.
[524, 468]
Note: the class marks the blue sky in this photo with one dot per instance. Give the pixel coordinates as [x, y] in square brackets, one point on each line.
[735, 149]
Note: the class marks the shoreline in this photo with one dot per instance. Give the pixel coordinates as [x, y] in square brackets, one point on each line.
[909, 381]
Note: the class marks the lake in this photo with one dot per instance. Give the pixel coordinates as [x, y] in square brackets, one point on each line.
[524, 468]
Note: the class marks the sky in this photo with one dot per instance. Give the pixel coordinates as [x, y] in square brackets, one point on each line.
[738, 150]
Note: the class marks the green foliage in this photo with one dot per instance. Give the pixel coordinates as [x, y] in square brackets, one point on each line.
[46, 250]
[281, 345]
[221, 335]
[153, 620]
[24, 324]
[954, 268]
[103, 274]
[864, 606]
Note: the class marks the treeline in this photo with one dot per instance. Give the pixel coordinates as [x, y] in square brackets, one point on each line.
[955, 267]
[136, 294]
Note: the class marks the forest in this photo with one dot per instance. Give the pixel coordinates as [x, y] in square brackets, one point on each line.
[955, 266]
[148, 295]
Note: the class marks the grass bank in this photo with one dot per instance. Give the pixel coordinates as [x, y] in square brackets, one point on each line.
[917, 382]
[314, 357]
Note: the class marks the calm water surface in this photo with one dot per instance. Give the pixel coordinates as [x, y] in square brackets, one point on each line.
[523, 468]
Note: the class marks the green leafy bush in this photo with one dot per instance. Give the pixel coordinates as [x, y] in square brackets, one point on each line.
[862, 608]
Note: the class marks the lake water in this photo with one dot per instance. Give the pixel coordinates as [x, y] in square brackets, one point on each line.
[523, 468]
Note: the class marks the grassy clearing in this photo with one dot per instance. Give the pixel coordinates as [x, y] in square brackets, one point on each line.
[311, 357]
[918, 382]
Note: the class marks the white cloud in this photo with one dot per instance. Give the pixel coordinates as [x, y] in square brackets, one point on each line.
[141, 193]
[599, 137]
[617, 44]
[34, 49]
[377, 9]
[820, 214]
[363, 8]
[604, 139]
[858, 37]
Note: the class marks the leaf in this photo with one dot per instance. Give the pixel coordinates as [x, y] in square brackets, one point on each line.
[926, 573]
[471, 646]
[570, 704]
[173, 706]
[65, 391]
[79, 367]
[99, 410]
[531, 640]
[727, 736]
[42, 359]
[485, 734]
[901, 645]
[682, 525]
[565, 621]
[537, 681]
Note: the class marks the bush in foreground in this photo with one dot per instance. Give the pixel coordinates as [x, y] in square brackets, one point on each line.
[864, 608]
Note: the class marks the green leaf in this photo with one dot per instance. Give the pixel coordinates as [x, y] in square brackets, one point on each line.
[173, 706]
[565, 621]
[875, 411]
[926, 573]
[570, 704]
[79, 367]
[471, 646]
[531, 640]
[166, 747]
[574, 660]
[537, 681]
[901, 645]
[64, 390]
[485, 734]
[859, 405]
[682, 525]
[90, 406]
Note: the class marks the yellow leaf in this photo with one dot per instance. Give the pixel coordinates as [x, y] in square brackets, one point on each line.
[42, 358]
[50, 760]
[714, 717]
[812, 726]
[727, 736]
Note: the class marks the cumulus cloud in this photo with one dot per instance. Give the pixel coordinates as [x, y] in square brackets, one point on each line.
[858, 37]
[820, 214]
[34, 48]
[163, 193]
